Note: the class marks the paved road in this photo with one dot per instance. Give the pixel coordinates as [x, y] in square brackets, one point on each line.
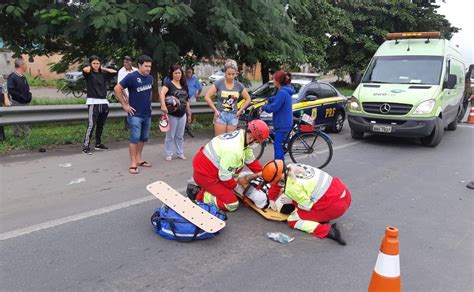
[96, 235]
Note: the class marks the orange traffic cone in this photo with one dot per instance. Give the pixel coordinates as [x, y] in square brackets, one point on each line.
[470, 118]
[386, 275]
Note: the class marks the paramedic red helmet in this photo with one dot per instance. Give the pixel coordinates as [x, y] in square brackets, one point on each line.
[273, 170]
[259, 130]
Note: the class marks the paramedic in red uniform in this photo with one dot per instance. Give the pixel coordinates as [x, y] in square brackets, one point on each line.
[317, 197]
[217, 164]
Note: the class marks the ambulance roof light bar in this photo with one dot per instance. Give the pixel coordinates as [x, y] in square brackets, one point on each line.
[412, 35]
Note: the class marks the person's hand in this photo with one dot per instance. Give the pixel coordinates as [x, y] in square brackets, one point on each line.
[130, 110]
[190, 118]
[216, 115]
[8, 102]
[273, 206]
[164, 109]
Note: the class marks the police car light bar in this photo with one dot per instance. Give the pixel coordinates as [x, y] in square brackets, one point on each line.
[412, 35]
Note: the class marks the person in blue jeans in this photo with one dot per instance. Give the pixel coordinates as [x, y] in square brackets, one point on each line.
[138, 108]
[281, 107]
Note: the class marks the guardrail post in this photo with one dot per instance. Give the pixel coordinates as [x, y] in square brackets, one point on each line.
[2, 134]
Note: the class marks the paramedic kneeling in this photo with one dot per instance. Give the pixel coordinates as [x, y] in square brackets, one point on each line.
[317, 196]
[216, 164]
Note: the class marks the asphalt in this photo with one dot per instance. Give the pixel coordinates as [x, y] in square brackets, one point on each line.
[395, 182]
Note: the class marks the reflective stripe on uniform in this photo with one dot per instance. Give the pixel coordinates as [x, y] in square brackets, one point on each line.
[211, 154]
[388, 265]
[303, 225]
[232, 206]
[322, 185]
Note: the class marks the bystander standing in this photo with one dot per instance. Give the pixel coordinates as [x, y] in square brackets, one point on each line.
[19, 92]
[95, 77]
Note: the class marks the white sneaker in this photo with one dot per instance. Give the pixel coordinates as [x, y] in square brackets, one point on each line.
[169, 158]
[182, 157]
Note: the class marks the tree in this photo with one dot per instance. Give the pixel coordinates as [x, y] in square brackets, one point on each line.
[351, 51]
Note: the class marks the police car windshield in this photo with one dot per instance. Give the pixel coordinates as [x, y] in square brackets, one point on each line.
[268, 89]
[405, 70]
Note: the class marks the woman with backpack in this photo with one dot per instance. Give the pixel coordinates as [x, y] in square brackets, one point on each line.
[175, 86]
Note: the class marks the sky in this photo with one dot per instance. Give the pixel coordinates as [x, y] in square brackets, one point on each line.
[461, 13]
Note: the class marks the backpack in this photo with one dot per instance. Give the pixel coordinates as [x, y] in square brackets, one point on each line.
[171, 225]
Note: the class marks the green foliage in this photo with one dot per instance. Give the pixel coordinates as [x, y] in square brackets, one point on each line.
[38, 81]
[351, 49]
[329, 34]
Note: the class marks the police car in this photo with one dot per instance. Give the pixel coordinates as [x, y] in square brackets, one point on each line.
[318, 99]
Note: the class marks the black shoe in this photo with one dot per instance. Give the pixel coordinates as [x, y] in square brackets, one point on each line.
[192, 190]
[101, 147]
[87, 151]
[335, 234]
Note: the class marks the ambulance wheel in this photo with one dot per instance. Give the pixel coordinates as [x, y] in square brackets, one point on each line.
[338, 124]
[357, 135]
[435, 137]
[453, 125]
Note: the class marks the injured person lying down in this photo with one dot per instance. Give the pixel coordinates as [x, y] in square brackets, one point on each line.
[253, 187]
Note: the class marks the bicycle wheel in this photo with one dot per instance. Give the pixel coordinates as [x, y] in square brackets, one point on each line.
[313, 149]
[77, 93]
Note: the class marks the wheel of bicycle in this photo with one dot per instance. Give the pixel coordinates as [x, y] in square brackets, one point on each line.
[314, 149]
[77, 93]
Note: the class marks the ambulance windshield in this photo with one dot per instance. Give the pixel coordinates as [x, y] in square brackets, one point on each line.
[405, 70]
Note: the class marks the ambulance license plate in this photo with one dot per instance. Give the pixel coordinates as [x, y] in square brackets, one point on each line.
[382, 129]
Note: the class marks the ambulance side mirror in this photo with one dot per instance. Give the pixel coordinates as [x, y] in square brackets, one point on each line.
[451, 83]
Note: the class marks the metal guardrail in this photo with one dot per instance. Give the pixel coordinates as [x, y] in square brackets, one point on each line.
[32, 114]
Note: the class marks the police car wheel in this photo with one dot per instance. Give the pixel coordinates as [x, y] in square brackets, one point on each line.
[338, 124]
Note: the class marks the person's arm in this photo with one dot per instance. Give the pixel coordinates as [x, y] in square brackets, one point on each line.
[86, 69]
[253, 164]
[226, 165]
[276, 105]
[108, 70]
[6, 100]
[208, 99]
[164, 90]
[248, 100]
[299, 194]
[188, 111]
[119, 93]
[199, 87]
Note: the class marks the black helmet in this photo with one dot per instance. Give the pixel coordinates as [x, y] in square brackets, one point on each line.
[172, 103]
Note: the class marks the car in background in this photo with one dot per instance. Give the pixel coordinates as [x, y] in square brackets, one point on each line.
[318, 99]
[218, 75]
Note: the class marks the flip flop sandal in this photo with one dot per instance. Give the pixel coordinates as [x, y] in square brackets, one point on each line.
[144, 164]
[133, 170]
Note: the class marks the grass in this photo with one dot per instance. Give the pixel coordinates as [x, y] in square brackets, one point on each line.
[57, 101]
[38, 81]
[51, 134]
[346, 91]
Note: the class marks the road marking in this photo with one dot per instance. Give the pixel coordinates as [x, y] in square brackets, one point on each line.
[77, 217]
[466, 126]
[346, 145]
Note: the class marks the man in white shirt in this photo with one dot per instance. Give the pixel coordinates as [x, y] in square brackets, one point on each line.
[127, 68]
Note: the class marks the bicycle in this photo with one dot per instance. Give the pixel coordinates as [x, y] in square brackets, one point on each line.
[304, 144]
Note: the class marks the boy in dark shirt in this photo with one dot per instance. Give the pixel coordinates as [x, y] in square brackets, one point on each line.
[97, 102]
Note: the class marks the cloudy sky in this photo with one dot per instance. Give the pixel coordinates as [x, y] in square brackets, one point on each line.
[461, 13]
